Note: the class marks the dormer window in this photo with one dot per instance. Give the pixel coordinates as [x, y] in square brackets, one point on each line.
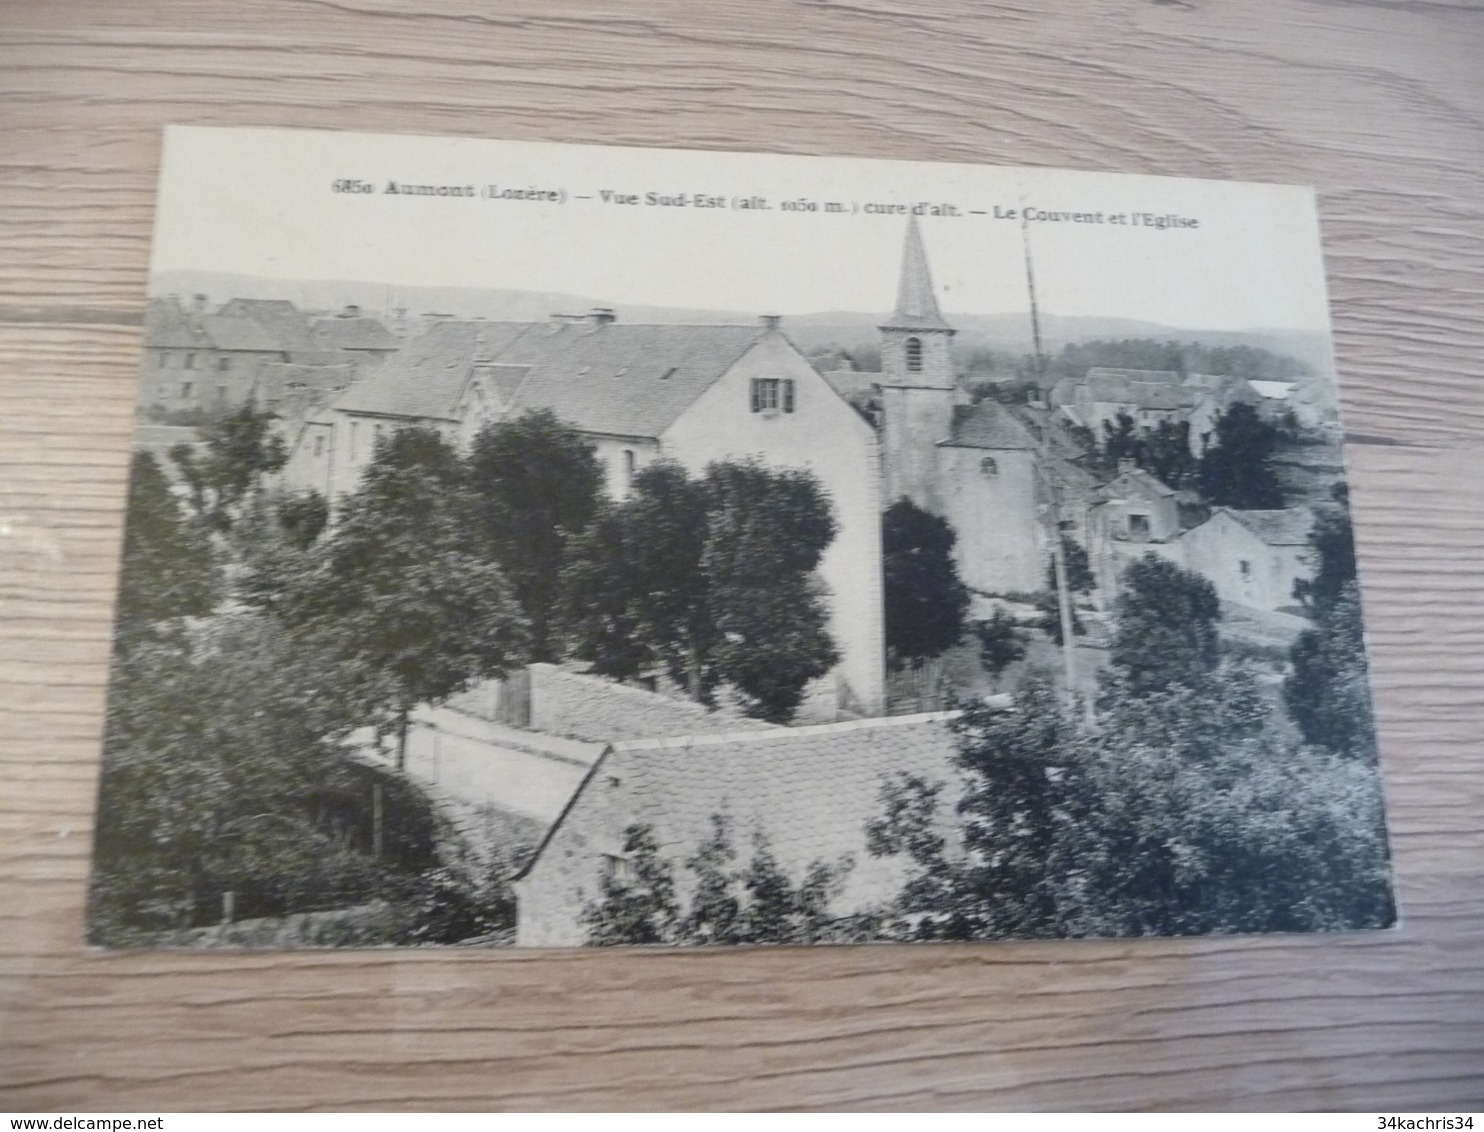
[914, 355]
[772, 394]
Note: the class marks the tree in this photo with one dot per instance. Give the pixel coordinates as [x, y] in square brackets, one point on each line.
[755, 904]
[1327, 690]
[767, 531]
[168, 568]
[711, 577]
[224, 770]
[240, 448]
[1237, 468]
[535, 485]
[925, 600]
[1164, 452]
[1166, 627]
[637, 593]
[400, 590]
[1001, 642]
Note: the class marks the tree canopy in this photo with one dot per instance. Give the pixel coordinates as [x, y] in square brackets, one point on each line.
[534, 485]
[711, 578]
[168, 568]
[1166, 627]
[925, 600]
[1237, 467]
[401, 591]
[240, 448]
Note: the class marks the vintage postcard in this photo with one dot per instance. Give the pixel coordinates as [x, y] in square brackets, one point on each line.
[541, 545]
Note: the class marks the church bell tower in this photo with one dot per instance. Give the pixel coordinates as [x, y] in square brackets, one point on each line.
[917, 381]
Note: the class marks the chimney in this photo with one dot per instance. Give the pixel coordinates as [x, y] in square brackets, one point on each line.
[352, 310]
[568, 319]
[200, 303]
[769, 322]
[600, 316]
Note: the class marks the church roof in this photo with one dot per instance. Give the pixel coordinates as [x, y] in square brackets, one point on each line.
[917, 305]
[990, 425]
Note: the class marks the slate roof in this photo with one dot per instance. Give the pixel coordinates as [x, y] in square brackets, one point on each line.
[810, 790]
[285, 325]
[851, 382]
[234, 332]
[1155, 376]
[354, 334]
[1289, 527]
[990, 425]
[277, 378]
[917, 305]
[1140, 480]
[166, 324]
[1273, 390]
[619, 379]
[425, 379]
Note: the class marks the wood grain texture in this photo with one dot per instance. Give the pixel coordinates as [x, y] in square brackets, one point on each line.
[1380, 105]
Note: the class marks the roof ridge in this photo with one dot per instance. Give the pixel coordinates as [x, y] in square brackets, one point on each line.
[779, 734]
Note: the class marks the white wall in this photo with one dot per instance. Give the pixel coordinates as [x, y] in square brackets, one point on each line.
[827, 436]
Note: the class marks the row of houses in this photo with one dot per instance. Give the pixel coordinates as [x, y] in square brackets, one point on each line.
[199, 359]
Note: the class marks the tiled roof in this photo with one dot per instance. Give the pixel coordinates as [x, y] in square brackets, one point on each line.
[354, 334]
[810, 790]
[167, 325]
[917, 305]
[1156, 376]
[1289, 527]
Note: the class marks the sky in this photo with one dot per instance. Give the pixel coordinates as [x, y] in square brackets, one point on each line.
[263, 202]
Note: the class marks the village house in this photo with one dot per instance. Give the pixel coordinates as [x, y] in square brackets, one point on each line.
[809, 791]
[197, 360]
[1253, 558]
[640, 393]
[1130, 516]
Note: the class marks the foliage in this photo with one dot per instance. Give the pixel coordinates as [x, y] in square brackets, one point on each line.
[1237, 467]
[1179, 812]
[224, 771]
[241, 448]
[303, 517]
[755, 904]
[925, 600]
[1184, 358]
[1001, 642]
[168, 568]
[1166, 627]
[399, 593]
[710, 577]
[535, 484]
[1327, 690]
[1163, 451]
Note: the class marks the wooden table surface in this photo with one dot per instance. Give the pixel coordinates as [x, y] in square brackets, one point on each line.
[1379, 104]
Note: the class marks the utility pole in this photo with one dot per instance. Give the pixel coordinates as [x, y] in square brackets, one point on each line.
[1052, 488]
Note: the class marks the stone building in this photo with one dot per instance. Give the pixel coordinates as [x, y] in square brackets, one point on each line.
[809, 791]
[1253, 558]
[639, 393]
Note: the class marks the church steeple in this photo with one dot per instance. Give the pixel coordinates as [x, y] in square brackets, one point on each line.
[917, 381]
[917, 304]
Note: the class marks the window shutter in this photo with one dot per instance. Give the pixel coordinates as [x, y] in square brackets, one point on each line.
[757, 395]
[788, 395]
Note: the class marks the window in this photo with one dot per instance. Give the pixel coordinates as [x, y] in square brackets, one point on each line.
[770, 394]
[914, 355]
[221, 393]
[1138, 526]
[186, 388]
[223, 364]
[190, 361]
[989, 466]
[1245, 567]
[355, 440]
[319, 445]
[618, 868]
[627, 481]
